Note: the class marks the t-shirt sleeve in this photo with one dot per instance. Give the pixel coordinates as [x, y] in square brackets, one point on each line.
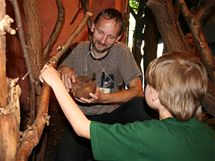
[128, 66]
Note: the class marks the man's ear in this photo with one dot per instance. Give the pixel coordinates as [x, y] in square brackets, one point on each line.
[92, 27]
[118, 38]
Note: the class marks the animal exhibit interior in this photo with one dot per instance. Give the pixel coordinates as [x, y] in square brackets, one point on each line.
[38, 32]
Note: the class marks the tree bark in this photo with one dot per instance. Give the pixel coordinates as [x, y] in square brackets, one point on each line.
[200, 40]
[9, 137]
[3, 80]
[56, 32]
[150, 39]
[34, 47]
[206, 10]
[9, 103]
[168, 25]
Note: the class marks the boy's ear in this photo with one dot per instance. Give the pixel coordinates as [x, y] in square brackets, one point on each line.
[154, 94]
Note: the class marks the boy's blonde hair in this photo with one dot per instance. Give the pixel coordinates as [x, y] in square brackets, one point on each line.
[181, 81]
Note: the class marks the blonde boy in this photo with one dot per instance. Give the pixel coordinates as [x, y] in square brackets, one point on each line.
[176, 83]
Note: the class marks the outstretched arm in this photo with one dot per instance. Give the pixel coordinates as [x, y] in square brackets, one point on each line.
[77, 119]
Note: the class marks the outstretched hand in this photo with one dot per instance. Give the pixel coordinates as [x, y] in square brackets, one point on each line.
[49, 74]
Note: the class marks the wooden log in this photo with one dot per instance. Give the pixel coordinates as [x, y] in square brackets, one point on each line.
[9, 124]
[9, 109]
[9, 137]
[3, 80]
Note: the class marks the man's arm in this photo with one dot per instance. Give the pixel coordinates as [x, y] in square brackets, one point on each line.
[135, 90]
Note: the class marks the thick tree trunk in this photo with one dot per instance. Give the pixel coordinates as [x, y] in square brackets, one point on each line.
[203, 49]
[200, 40]
[168, 25]
[150, 39]
[9, 106]
[3, 80]
[34, 46]
[9, 134]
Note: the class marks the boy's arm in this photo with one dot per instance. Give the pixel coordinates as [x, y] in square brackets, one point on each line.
[77, 119]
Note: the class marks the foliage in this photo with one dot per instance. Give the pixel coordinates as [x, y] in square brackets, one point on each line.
[134, 5]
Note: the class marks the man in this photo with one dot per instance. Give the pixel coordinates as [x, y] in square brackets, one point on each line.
[119, 96]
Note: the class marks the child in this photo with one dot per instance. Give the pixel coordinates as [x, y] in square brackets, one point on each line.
[176, 83]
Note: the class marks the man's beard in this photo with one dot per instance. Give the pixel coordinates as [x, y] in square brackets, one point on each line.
[99, 50]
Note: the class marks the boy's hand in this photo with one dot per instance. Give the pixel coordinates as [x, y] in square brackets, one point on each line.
[49, 74]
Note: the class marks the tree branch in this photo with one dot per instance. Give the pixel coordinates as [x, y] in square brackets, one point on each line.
[84, 4]
[205, 11]
[26, 56]
[168, 26]
[69, 41]
[56, 32]
[200, 40]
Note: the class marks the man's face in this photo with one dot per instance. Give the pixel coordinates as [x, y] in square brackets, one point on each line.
[105, 34]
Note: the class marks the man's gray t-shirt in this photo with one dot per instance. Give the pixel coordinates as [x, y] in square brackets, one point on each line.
[111, 72]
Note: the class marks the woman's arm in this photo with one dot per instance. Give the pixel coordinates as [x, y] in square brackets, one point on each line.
[77, 119]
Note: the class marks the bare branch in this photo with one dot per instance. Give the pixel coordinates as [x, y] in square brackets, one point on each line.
[84, 4]
[56, 32]
[205, 11]
[26, 54]
[69, 42]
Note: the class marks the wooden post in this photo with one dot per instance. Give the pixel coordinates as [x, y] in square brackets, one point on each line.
[9, 116]
[3, 80]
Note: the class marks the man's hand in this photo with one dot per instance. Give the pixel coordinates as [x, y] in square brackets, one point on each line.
[95, 97]
[68, 76]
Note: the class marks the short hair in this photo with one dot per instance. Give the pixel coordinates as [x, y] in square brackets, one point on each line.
[181, 81]
[111, 13]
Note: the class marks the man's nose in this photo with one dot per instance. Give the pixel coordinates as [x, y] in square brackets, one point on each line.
[104, 39]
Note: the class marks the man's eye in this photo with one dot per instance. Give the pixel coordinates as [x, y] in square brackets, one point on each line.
[100, 32]
[112, 37]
